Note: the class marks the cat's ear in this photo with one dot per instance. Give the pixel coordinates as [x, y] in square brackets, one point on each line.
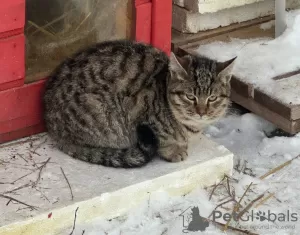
[224, 70]
[179, 64]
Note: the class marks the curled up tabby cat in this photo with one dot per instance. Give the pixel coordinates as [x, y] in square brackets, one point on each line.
[121, 103]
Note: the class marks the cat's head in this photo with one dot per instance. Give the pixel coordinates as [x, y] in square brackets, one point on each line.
[199, 88]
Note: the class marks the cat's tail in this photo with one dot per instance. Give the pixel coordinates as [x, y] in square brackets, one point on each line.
[136, 156]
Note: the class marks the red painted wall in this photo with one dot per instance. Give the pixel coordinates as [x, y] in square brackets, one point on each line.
[20, 105]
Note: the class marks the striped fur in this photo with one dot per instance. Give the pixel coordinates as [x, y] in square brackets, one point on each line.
[120, 103]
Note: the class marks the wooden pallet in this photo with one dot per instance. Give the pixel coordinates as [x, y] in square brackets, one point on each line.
[285, 116]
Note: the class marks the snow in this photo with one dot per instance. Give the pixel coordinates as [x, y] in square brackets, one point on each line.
[267, 25]
[259, 60]
[256, 154]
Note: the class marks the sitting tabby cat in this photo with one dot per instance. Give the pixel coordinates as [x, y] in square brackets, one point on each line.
[120, 103]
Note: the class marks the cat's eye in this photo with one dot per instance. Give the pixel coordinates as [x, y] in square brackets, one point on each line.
[190, 97]
[212, 98]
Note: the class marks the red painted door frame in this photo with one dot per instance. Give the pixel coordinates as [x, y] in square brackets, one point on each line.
[20, 104]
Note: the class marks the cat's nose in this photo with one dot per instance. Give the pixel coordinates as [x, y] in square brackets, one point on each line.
[201, 110]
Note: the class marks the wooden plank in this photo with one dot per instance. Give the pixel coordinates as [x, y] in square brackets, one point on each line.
[21, 133]
[290, 126]
[272, 104]
[12, 84]
[161, 24]
[282, 98]
[179, 39]
[20, 123]
[143, 23]
[12, 15]
[21, 111]
[141, 2]
[241, 88]
[12, 60]
[21, 101]
[245, 33]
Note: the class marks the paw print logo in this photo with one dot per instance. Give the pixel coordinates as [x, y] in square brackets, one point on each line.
[261, 216]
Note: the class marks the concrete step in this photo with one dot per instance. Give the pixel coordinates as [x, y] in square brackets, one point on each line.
[210, 6]
[97, 191]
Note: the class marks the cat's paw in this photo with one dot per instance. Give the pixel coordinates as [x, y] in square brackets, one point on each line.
[173, 153]
[179, 157]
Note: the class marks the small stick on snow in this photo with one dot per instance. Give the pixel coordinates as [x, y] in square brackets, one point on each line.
[221, 204]
[39, 145]
[278, 168]
[40, 172]
[237, 206]
[215, 187]
[286, 75]
[72, 196]
[265, 199]
[19, 155]
[233, 228]
[18, 188]
[16, 200]
[43, 195]
[13, 182]
[249, 206]
[228, 186]
[74, 223]
[8, 202]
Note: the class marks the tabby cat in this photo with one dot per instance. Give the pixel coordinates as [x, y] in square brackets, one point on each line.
[120, 103]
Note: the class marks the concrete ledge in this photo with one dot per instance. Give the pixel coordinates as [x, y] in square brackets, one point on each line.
[207, 164]
[210, 6]
[189, 22]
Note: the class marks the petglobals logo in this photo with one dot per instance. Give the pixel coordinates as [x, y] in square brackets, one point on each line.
[258, 216]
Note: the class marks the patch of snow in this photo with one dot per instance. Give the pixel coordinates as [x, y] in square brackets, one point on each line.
[267, 25]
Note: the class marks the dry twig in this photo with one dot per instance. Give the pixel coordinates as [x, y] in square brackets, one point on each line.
[215, 187]
[74, 223]
[221, 204]
[264, 200]
[249, 206]
[278, 168]
[72, 196]
[40, 172]
[237, 206]
[233, 228]
[20, 202]
[19, 155]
